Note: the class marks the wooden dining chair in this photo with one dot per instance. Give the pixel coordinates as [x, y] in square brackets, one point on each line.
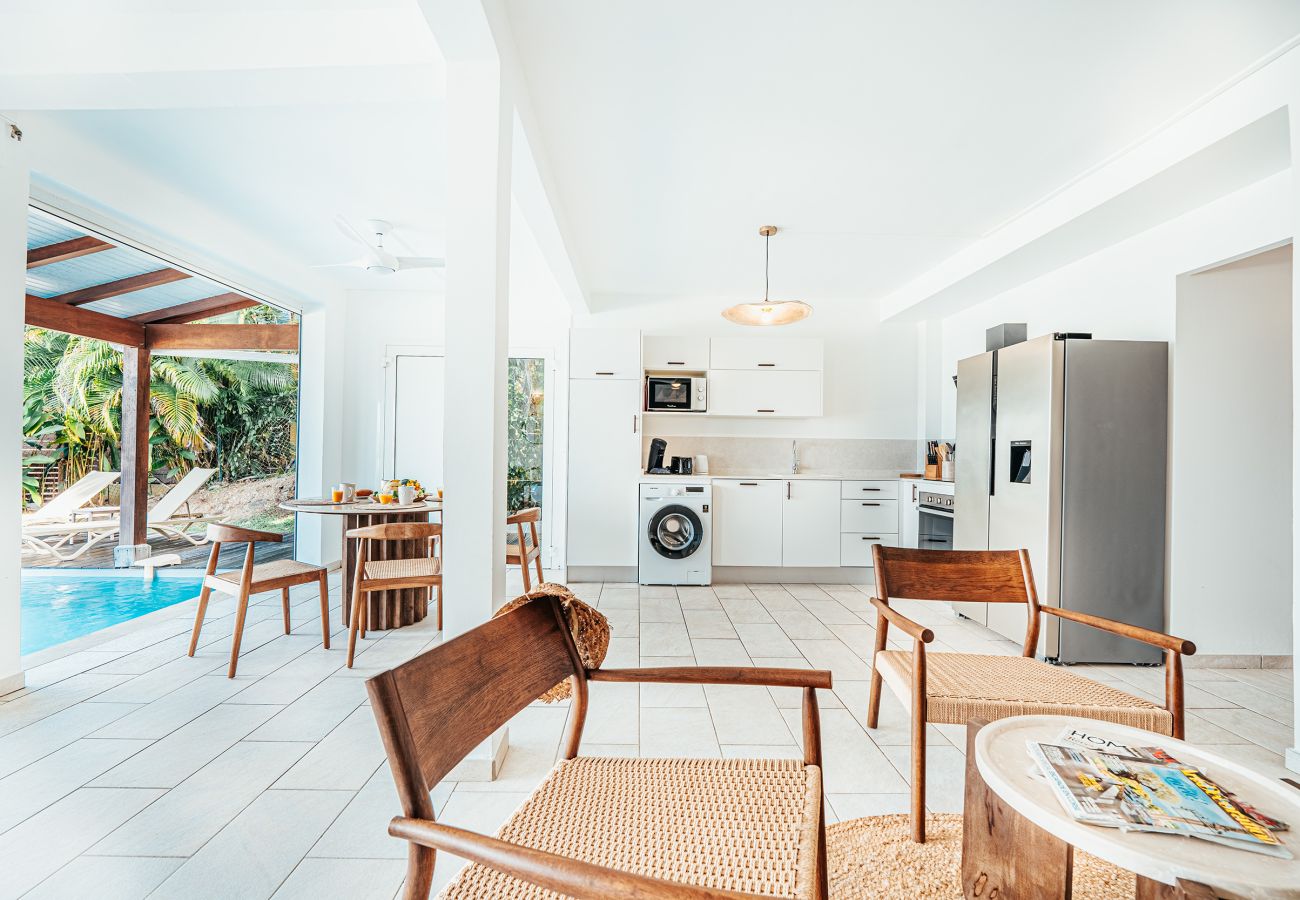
[371, 575]
[281, 574]
[523, 553]
[597, 828]
[953, 688]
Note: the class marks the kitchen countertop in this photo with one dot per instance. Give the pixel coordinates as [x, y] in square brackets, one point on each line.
[847, 475]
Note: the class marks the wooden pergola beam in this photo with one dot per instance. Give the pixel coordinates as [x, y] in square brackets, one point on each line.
[195, 309]
[119, 287]
[221, 337]
[45, 313]
[65, 250]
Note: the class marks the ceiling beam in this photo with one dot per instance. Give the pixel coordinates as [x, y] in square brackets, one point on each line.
[196, 309]
[60, 317]
[220, 337]
[119, 287]
[65, 250]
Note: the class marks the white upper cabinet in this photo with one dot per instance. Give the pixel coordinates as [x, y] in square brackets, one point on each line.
[667, 353]
[604, 353]
[788, 354]
[765, 394]
[810, 523]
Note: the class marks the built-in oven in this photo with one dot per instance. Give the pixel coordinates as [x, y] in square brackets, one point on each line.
[675, 393]
[935, 514]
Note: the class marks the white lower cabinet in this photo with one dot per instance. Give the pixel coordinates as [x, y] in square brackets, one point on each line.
[604, 449]
[855, 549]
[909, 520]
[747, 522]
[810, 528]
[874, 516]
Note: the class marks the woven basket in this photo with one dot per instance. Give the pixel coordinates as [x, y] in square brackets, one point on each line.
[589, 627]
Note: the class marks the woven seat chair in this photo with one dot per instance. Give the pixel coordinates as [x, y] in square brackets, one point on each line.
[423, 570]
[597, 828]
[954, 688]
[523, 552]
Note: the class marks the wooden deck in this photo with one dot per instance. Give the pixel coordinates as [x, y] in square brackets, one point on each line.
[101, 557]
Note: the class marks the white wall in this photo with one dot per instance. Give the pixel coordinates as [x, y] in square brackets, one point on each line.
[870, 384]
[1231, 551]
[1129, 291]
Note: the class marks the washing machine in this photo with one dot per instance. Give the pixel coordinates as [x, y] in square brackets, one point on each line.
[676, 525]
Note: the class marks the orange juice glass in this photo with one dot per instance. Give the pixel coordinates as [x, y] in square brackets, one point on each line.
[385, 498]
[338, 496]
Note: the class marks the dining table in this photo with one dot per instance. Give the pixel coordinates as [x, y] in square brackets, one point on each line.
[388, 609]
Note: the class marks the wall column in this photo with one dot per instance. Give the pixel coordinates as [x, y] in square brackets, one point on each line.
[14, 190]
[1293, 112]
[321, 337]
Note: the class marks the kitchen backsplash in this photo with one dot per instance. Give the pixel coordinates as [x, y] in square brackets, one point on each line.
[759, 455]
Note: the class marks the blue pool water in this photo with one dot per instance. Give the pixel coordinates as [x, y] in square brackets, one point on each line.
[62, 604]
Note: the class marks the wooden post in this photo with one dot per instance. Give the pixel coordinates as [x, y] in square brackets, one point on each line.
[135, 446]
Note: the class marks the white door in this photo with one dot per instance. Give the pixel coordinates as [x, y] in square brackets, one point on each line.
[604, 455]
[765, 394]
[810, 524]
[415, 448]
[747, 522]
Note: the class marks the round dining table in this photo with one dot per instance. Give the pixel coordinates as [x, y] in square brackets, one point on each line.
[388, 609]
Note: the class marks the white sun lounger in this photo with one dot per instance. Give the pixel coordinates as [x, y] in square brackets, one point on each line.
[62, 507]
[164, 518]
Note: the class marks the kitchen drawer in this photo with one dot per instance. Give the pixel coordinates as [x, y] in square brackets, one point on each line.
[855, 549]
[869, 516]
[870, 490]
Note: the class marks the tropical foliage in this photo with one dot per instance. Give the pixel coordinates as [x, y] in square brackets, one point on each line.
[524, 406]
[234, 415]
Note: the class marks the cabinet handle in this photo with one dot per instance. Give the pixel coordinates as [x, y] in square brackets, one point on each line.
[749, 484]
[787, 490]
[765, 410]
[604, 373]
[634, 423]
[871, 489]
[871, 504]
[874, 537]
[767, 365]
[913, 493]
[673, 363]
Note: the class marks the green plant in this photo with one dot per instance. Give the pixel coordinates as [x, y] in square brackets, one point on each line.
[524, 407]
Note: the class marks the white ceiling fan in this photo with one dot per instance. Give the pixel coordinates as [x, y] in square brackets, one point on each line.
[377, 258]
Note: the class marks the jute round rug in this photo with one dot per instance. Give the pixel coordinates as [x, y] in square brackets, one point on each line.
[875, 858]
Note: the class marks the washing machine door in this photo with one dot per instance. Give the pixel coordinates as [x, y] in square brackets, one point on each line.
[675, 531]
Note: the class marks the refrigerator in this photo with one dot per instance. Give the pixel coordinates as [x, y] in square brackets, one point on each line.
[1062, 451]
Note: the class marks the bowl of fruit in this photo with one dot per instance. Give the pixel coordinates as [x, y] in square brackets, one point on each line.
[392, 486]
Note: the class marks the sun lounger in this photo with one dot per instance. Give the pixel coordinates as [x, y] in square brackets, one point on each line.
[72, 499]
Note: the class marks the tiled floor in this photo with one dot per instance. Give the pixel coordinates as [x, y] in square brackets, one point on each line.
[129, 770]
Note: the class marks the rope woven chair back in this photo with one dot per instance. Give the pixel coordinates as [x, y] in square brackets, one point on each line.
[984, 576]
[434, 709]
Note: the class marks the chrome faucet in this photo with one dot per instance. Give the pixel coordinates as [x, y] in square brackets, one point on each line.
[794, 457]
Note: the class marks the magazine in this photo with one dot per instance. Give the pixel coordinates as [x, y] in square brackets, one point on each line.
[1130, 792]
[1074, 737]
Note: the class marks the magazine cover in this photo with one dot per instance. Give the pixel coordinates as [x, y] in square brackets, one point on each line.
[1136, 794]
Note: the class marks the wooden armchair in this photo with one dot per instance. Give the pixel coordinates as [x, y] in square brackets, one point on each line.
[281, 574]
[596, 829]
[523, 553]
[953, 688]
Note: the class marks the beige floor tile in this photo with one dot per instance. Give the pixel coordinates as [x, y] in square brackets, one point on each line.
[106, 878]
[49, 779]
[684, 732]
[357, 879]
[709, 623]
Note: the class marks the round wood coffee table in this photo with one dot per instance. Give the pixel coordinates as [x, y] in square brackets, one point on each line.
[388, 609]
[1002, 850]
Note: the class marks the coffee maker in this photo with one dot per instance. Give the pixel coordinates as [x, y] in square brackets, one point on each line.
[655, 464]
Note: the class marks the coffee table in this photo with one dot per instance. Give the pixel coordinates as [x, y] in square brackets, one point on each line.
[1018, 839]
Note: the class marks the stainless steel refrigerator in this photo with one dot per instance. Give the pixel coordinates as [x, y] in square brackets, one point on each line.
[1061, 449]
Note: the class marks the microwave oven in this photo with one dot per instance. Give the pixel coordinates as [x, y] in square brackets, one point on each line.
[674, 393]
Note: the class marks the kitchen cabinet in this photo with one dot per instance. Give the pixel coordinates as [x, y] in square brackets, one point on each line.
[765, 354]
[672, 353]
[855, 549]
[909, 521]
[869, 516]
[869, 490]
[810, 527]
[604, 456]
[747, 521]
[604, 353]
[761, 394]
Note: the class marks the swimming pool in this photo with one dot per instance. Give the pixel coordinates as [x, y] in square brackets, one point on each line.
[62, 604]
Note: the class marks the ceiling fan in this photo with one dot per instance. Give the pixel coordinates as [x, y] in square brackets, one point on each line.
[377, 258]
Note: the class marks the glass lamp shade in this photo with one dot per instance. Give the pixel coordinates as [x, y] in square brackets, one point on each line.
[768, 312]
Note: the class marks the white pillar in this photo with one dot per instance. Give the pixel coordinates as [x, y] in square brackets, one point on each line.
[317, 538]
[14, 191]
[1293, 752]
[479, 121]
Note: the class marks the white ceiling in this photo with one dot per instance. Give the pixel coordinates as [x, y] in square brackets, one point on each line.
[880, 136]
